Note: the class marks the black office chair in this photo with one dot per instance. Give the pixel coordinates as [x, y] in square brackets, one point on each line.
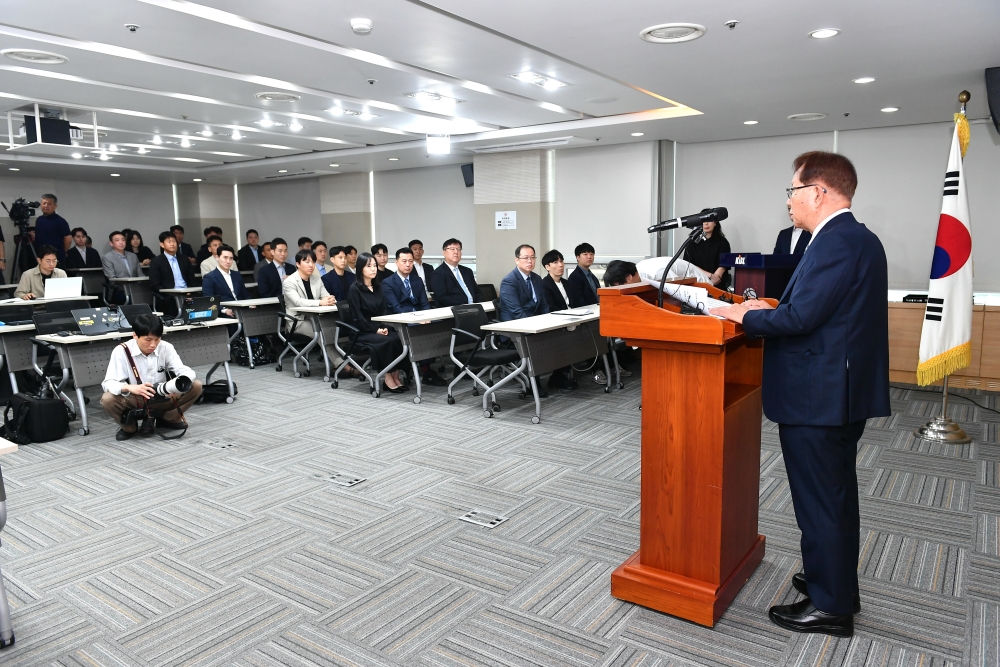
[16, 314]
[290, 338]
[488, 291]
[469, 320]
[51, 385]
[357, 355]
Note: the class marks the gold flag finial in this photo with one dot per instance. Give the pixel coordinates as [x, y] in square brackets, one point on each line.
[963, 122]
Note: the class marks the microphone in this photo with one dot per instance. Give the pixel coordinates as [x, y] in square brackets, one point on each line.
[707, 215]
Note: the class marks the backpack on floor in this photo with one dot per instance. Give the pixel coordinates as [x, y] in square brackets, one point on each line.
[28, 419]
[217, 392]
[238, 351]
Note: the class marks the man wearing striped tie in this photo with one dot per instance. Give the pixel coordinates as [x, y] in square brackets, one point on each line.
[405, 292]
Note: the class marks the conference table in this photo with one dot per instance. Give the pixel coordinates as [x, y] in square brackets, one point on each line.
[136, 289]
[256, 317]
[552, 341]
[88, 356]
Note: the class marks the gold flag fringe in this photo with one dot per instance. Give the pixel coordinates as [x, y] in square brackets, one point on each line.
[943, 364]
[963, 131]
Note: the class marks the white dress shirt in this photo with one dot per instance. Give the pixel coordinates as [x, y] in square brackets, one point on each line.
[820, 226]
[796, 233]
[229, 280]
[83, 252]
[152, 367]
[562, 290]
[419, 268]
[281, 269]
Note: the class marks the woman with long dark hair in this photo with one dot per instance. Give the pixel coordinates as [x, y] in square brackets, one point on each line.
[366, 301]
[705, 255]
[134, 244]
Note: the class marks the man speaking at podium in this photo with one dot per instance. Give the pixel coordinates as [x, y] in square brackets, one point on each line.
[826, 370]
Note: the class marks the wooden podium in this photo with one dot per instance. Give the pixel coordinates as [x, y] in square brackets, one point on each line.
[701, 414]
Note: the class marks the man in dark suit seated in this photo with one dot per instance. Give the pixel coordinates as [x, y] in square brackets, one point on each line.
[183, 249]
[452, 283]
[422, 268]
[826, 371]
[272, 275]
[168, 270]
[223, 282]
[792, 240]
[80, 256]
[582, 282]
[404, 292]
[556, 294]
[338, 280]
[249, 254]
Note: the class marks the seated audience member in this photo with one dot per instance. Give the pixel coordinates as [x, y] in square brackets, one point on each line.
[32, 284]
[209, 263]
[622, 273]
[266, 257]
[452, 283]
[381, 253]
[80, 256]
[134, 244]
[651, 270]
[555, 287]
[338, 279]
[405, 293]
[90, 243]
[167, 271]
[305, 288]
[305, 243]
[581, 281]
[320, 250]
[352, 257]
[424, 270]
[204, 252]
[119, 263]
[274, 273]
[183, 249]
[153, 358]
[367, 301]
[222, 281]
[250, 253]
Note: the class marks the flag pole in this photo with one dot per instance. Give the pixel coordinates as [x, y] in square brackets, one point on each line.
[943, 429]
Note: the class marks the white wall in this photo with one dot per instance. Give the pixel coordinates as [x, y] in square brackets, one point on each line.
[430, 204]
[900, 174]
[288, 209]
[605, 195]
[100, 208]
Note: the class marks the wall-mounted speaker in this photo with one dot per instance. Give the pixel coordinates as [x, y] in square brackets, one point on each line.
[467, 173]
[993, 94]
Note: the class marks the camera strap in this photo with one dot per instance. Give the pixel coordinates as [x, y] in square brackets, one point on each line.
[145, 401]
[135, 371]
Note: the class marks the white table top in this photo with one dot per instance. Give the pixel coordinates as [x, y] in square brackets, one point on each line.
[180, 290]
[250, 303]
[130, 279]
[249, 285]
[313, 309]
[17, 301]
[432, 315]
[542, 323]
[16, 328]
[88, 268]
[10, 286]
[69, 340]
[7, 447]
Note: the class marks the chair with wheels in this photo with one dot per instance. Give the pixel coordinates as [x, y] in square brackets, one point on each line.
[290, 338]
[469, 320]
[488, 291]
[357, 355]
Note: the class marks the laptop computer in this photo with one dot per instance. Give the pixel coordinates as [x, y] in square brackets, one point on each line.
[129, 313]
[96, 321]
[200, 309]
[64, 288]
[14, 315]
[55, 323]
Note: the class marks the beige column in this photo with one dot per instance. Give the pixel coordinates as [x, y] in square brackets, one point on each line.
[201, 205]
[345, 205]
[521, 182]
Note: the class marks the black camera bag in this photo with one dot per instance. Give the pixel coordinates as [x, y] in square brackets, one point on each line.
[217, 392]
[30, 419]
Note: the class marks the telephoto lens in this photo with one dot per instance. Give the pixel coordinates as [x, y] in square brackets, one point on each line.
[179, 385]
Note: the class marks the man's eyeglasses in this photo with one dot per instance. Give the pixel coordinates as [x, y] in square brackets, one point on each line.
[531, 258]
[453, 248]
[791, 191]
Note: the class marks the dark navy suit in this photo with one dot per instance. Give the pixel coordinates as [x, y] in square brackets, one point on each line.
[213, 284]
[396, 299]
[826, 371]
[447, 291]
[580, 288]
[333, 284]
[268, 280]
[783, 246]
[515, 297]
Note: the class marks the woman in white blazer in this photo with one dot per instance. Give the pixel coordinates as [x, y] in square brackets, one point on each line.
[305, 288]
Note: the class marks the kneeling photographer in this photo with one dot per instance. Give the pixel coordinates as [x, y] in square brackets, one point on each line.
[138, 390]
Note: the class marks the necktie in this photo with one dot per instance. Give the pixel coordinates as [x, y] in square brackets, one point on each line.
[532, 288]
[409, 293]
[461, 283]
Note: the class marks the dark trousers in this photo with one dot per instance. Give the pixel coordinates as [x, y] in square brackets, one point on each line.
[820, 462]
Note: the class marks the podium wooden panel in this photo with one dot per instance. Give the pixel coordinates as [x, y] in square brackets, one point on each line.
[701, 414]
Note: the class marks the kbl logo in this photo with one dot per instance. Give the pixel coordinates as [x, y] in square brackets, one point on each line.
[740, 259]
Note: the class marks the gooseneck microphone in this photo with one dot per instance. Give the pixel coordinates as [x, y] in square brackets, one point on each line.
[708, 215]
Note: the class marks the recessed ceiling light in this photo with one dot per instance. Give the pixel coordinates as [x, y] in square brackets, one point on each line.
[35, 57]
[76, 156]
[113, 148]
[438, 144]
[104, 157]
[294, 127]
[282, 171]
[427, 96]
[362, 26]
[205, 133]
[637, 134]
[749, 122]
[116, 175]
[271, 96]
[890, 109]
[157, 140]
[865, 79]
[546, 82]
[196, 180]
[265, 122]
[185, 143]
[602, 100]
[824, 33]
[334, 165]
[672, 33]
[364, 115]
[236, 135]
[807, 116]
[394, 159]
[142, 150]
[14, 169]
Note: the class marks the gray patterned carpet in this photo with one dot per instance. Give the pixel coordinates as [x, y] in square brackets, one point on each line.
[233, 546]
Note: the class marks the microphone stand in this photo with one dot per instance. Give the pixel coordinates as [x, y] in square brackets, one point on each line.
[695, 233]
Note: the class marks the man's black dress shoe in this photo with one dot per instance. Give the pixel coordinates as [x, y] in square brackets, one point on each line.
[803, 616]
[434, 381]
[799, 582]
[176, 426]
[122, 434]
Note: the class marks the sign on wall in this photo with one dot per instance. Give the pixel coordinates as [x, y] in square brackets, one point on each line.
[506, 219]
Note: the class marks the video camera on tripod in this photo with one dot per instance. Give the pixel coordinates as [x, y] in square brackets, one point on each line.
[20, 213]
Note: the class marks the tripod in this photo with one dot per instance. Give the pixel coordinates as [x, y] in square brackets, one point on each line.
[20, 241]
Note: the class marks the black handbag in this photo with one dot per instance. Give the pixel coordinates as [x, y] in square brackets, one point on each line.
[30, 419]
[217, 392]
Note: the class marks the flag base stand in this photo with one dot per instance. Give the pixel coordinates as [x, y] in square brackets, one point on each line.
[943, 429]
